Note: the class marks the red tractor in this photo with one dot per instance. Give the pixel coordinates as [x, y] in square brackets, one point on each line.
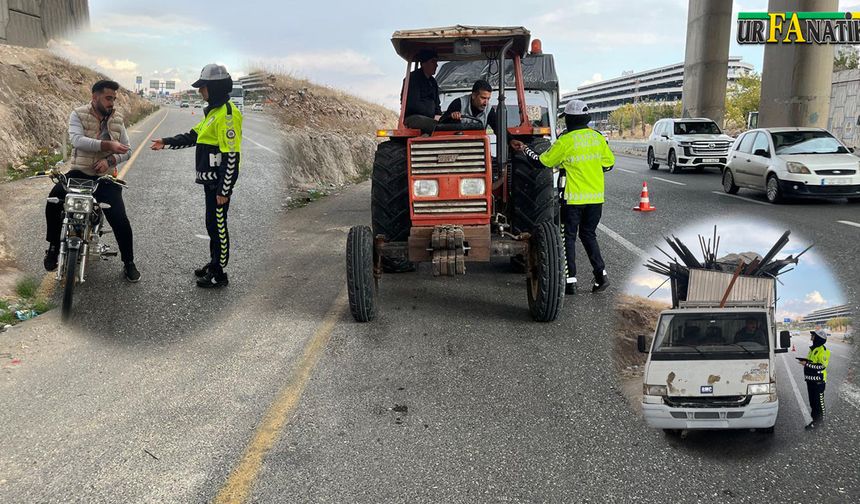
[446, 198]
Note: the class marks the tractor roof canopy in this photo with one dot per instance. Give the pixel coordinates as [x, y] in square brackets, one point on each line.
[458, 43]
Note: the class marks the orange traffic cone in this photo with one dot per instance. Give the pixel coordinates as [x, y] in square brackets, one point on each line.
[644, 202]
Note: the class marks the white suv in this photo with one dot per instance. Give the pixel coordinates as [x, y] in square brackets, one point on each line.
[688, 143]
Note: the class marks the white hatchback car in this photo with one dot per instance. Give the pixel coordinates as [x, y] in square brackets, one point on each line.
[792, 163]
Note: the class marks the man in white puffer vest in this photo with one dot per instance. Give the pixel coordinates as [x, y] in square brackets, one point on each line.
[100, 143]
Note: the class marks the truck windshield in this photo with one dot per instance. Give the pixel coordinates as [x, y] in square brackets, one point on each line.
[700, 336]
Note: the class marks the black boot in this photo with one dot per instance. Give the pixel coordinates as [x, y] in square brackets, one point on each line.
[201, 271]
[212, 279]
[130, 272]
[570, 287]
[601, 282]
[52, 256]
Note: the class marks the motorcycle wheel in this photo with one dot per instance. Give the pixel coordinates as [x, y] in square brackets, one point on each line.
[69, 276]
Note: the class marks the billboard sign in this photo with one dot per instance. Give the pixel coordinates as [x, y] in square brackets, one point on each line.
[154, 84]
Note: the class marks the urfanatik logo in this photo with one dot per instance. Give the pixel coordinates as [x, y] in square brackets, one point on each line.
[799, 28]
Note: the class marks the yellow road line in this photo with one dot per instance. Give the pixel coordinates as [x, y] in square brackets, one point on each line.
[239, 483]
[140, 147]
[48, 281]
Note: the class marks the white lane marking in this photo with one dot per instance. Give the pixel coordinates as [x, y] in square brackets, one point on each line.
[621, 240]
[258, 144]
[741, 198]
[807, 417]
[851, 394]
[202, 237]
[848, 223]
[626, 171]
[135, 131]
[669, 181]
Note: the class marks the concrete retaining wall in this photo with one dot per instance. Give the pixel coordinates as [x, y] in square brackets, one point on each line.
[32, 23]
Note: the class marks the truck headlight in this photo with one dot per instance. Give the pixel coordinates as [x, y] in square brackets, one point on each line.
[761, 389]
[425, 188]
[795, 167]
[656, 390]
[472, 187]
[79, 205]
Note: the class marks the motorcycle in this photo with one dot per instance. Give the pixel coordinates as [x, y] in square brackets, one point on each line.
[80, 238]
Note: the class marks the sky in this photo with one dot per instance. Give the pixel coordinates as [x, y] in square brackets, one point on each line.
[810, 286]
[346, 44]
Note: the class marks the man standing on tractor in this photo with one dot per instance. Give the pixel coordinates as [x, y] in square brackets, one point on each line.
[475, 105]
[218, 140]
[584, 156]
[423, 108]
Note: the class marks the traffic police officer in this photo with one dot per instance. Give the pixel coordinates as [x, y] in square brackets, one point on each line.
[218, 141]
[815, 373]
[584, 155]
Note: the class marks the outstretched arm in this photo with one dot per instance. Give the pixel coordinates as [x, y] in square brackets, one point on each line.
[179, 141]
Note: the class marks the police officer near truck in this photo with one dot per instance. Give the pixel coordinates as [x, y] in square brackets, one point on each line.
[815, 374]
[585, 156]
[218, 142]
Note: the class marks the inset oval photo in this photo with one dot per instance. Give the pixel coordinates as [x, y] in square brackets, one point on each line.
[734, 327]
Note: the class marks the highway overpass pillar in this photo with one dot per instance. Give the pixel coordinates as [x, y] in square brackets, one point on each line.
[706, 62]
[797, 78]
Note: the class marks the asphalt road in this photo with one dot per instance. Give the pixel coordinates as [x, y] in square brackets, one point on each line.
[159, 392]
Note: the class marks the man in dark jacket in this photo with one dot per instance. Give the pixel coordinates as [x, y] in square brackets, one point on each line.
[218, 141]
[423, 108]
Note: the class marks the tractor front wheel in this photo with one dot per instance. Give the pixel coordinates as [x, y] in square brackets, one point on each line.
[545, 281]
[359, 273]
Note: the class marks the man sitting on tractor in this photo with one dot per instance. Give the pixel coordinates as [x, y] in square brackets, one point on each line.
[423, 108]
[474, 105]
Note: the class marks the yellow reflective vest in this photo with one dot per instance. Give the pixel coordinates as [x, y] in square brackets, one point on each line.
[583, 153]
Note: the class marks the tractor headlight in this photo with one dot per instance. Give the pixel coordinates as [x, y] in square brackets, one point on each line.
[655, 390]
[79, 205]
[425, 188]
[795, 167]
[472, 187]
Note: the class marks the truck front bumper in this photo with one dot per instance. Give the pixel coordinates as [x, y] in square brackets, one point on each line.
[751, 416]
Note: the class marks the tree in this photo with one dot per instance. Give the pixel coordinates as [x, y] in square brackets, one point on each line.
[839, 324]
[742, 97]
[846, 58]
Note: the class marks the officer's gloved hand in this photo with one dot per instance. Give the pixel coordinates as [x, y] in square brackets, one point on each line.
[608, 168]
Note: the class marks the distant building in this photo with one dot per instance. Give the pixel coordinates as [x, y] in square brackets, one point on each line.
[662, 84]
[257, 85]
[823, 315]
[32, 23]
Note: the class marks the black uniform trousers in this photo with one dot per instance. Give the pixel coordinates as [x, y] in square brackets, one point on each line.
[816, 399]
[582, 220]
[216, 227]
[116, 216]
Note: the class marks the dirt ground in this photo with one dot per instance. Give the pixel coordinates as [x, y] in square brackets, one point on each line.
[634, 315]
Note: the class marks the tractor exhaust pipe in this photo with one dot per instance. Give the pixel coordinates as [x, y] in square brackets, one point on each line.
[502, 113]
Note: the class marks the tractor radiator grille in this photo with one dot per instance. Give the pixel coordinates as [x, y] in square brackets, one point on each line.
[445, 207]
[428, 158]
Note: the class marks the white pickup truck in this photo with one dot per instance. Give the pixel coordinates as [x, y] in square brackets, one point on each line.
[711, 362]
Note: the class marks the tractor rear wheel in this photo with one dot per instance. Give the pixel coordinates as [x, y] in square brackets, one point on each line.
[534, 197]
[359, 273]
[389, 207]
[545, 282]
[389, 203]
